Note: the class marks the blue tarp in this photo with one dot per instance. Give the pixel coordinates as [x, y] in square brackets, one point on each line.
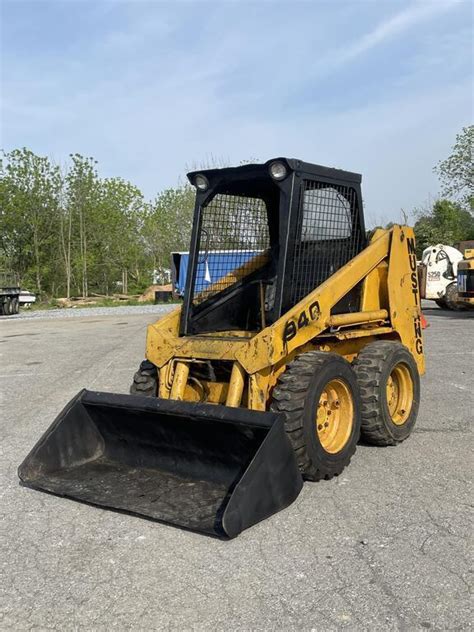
[219, 264]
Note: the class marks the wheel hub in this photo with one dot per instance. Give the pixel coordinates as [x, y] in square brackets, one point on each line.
[399, 391]
[334, 417]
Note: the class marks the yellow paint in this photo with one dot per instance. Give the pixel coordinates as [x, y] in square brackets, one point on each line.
[403, 292]
[399, 390]
[165, 381]
[164, 344]
[181, 373]
[206, 392]
[374, 294]
[335, 416]
[357, 318]
[258, 390]
[236, 386]
[363, 332]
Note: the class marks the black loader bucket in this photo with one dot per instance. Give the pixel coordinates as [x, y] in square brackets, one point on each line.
[209, 468]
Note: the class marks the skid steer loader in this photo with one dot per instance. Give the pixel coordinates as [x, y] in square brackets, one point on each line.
[265, 376]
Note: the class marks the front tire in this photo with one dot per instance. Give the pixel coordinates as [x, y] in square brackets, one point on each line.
[390, 390]
[319, 396]
[145, 380]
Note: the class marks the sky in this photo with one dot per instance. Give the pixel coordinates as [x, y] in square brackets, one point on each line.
[152, 89]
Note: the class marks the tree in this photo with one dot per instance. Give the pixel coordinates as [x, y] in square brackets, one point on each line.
[457, 172]
[29, 192]
[168, 224]
[82, 195]
[446, 223]
[65, 237]
[120, 216]
[68, 231]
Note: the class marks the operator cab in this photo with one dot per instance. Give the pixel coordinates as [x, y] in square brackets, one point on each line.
[284, 227]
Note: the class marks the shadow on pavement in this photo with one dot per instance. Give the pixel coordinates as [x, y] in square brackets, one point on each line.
[447, 313]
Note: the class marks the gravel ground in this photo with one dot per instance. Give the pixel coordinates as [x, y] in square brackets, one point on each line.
[85, 312]
[387, 545]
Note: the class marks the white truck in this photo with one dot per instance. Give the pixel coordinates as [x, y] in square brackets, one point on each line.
[438, 274]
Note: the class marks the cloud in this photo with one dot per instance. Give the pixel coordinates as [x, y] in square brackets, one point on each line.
[388, 29]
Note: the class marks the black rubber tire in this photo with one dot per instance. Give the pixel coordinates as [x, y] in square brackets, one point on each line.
[440, 303]
[15, 305]
[451, 298]
[373, 367]
[297, 396]
[145, 380]
[7, 306]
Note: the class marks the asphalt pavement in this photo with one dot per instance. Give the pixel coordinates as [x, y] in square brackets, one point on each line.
[384, 546]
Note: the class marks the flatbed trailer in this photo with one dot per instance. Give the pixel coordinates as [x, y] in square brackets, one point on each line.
[9, 294]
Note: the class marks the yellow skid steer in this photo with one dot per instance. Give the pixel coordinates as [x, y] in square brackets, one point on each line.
[267, 374]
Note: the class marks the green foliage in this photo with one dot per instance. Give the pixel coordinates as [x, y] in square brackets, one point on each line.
[451, 219]
[29, 187]
[446, 223]
[73, 233]
[456, 173]
[167, 225]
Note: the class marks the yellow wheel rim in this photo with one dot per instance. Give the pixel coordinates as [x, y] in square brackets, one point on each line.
[335, 416]
[399, 394]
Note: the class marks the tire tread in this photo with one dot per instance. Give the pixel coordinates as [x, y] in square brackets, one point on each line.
[368, 366]
[145, 380]
[289, 398]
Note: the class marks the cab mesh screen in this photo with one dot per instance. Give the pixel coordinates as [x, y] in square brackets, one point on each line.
[233, 237]
[328, 235]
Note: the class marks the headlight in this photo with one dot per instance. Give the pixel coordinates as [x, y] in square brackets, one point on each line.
[201, 182]
[278, 170]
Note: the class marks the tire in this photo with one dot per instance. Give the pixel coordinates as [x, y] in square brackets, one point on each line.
[389, 385]
[301, 394]
[145, 380]
[15, 305]
[440, 303]
[7, 306]
[451, 298]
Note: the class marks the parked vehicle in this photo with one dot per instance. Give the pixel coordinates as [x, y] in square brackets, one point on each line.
[438, 273]
[466, 278]
[9, 294]
[218, 264]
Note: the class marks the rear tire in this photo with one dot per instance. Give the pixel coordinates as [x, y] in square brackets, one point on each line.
[451, 298]
[15, 305]
[315, 386]
[440, 303]
[145, 380]
[390, 390]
